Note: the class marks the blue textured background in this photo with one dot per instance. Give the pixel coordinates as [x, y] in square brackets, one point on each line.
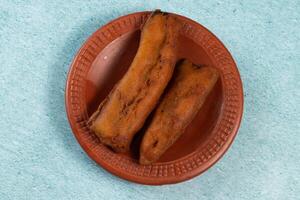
[39, 157]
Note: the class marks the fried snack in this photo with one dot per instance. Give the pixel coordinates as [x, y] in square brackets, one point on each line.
[183, 99]
[128, 105]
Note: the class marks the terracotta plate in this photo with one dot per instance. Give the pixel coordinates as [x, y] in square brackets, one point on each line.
[103, 60]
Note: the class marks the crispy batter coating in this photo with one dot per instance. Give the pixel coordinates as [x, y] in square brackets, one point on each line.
[125, 110]
[180, 103]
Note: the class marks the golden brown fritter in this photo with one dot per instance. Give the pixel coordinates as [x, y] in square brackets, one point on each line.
[128, 105]
[180, 103]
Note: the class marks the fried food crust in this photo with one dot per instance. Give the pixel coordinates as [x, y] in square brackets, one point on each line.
[128, 105]
[182, 100]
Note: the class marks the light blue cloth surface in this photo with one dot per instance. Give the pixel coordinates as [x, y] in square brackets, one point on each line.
[40, 158]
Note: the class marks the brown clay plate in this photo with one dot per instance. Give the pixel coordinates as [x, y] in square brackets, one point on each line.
[103, 60]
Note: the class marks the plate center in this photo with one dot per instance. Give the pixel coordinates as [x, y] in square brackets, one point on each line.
[112, 63]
